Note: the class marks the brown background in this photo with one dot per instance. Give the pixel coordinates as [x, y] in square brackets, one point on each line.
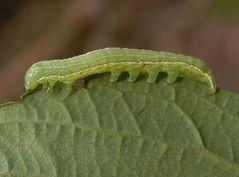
[48, 29]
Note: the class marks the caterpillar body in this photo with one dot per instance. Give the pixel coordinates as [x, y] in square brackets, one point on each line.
[115, 61]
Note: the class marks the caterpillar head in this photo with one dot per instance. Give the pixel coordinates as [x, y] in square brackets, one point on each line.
[30, 80]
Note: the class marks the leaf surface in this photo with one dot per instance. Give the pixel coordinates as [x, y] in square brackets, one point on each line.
[122, 129]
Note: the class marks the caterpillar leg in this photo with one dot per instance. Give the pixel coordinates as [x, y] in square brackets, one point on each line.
[212, 85]
[115, 75]
[133, 74]
[172, 76]
[68, 88]
[48, 87]
[45, 86]
[69, 84]
[51, 85]
[152, 76]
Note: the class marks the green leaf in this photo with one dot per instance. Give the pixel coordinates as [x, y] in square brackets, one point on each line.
[122, 129]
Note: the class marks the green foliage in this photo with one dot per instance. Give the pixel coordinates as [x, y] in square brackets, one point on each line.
[122, 129]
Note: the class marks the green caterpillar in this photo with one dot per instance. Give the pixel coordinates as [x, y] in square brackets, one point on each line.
[115, 61]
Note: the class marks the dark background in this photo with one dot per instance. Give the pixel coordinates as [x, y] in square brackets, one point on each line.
[48, 29]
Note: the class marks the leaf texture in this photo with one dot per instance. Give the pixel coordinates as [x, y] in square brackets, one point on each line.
[122, 129]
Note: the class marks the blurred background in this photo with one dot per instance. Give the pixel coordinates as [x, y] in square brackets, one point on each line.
[49, 29]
